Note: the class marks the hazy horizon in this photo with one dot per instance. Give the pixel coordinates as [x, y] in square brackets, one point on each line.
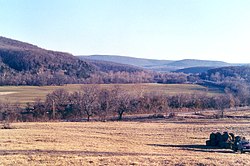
[162, 29]
[161, 59]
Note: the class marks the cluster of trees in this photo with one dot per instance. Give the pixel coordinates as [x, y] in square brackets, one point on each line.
[170, 78]
[106, 66]
[120, 77]
[95, 102]
[219, 74]
[124, 77]
[59, 78]
[233, 80]
[41, 79]
[77, 72]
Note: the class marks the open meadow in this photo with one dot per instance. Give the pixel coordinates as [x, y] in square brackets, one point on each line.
[24, 94]
[135, 141]
[157, 142]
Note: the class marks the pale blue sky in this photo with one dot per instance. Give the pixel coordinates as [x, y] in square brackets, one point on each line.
[161, 29]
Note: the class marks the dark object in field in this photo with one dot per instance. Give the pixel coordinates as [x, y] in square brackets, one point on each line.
[225, 140]
[241, 144]
[228, 141]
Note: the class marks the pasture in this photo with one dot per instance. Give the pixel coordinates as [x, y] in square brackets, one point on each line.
[156, 142]
[24, 94]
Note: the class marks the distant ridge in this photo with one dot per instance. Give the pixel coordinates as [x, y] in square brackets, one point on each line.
[141, 62]
[197, 63]
[158, 65]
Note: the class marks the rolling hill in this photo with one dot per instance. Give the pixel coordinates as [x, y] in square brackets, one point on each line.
[23, 63]
[240, 73]
[198, 63]
[158, 65]
[140, 62]
[26, 64]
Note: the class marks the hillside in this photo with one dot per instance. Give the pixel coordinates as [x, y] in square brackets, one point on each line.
[234, 79]
[194, 70]
[241, 73]
[197, 63]
[107, 66]
[23, 63]
[158, 65]
[128, 60]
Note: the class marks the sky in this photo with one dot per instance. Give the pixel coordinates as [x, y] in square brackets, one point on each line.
[158, 29]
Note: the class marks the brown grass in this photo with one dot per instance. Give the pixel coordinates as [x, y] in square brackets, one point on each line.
[119, 143]
[24, 94]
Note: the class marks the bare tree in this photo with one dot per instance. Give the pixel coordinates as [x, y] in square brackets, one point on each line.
[39, 110]
[56, 103]
[123, 101]
[88, 100]
[106, 105]
[222, 102]
[5, 111]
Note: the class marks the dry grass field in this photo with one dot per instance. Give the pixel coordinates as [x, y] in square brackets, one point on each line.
[24, 94]
[161, 142]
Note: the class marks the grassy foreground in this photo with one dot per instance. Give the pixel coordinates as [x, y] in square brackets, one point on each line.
[119, 143]
[24, 94]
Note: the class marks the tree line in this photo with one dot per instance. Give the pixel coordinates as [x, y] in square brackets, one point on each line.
[111, 77]
[98, 103]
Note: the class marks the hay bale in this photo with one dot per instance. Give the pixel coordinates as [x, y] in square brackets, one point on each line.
[218, 138]
[212, 136]
[213, 143]
[222, 145]
[208, 143]
[225, 140]
[225, 145]
[225, 137]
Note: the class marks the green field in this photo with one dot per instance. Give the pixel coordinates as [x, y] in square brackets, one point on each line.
[24, 94]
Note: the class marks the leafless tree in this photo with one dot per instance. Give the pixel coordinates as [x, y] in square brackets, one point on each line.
[88, 100]
[56, 103]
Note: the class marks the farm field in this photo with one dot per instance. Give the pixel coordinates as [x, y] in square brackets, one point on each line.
[24, 94]
[162, 142]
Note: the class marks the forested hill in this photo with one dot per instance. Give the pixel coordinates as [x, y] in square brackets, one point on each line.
[234, 72]
[106, 66]
[26, 64]
[234, 79]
